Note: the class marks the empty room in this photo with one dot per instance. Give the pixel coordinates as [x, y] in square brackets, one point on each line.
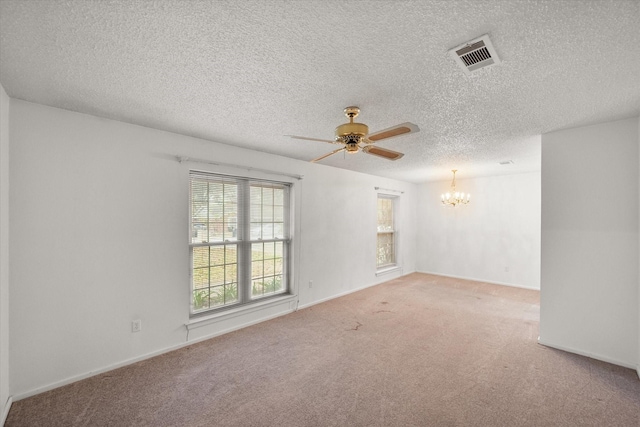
[319, 213]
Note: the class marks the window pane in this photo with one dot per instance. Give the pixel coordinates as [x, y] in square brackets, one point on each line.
[267, 267]
[230, 229]
[216, 255]
[278, 197]
[214, 276]
[256, 195]
[231, 293]
[266, 286]
[267, 213]
[386, 250]
[267, 196]
[230, 193]
[200, 257]
[385, 214]
[256, 251]
[216, 297]
[199, 232]
[200, 299]
[278, 213]
[216, 211]
[386, 237]
[199, 210]
[278, 287]
[231, 274]
[278, 230]
[256, 213]
[278, 260]
[256, 231]
[278, 249]
[201, 278]
[231, 252]
[267, 231]
[257, 269]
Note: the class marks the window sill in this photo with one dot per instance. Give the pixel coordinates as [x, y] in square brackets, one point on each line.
[203, 320]
[387, 270]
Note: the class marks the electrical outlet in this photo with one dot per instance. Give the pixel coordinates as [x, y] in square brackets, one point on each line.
[136, 325]
[310, 284]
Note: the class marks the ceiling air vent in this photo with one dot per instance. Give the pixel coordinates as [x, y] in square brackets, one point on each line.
[475, 54]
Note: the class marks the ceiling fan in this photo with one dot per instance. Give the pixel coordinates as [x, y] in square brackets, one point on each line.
[355, 137]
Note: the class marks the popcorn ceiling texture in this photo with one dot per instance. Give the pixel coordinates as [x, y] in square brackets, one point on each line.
[247, 73]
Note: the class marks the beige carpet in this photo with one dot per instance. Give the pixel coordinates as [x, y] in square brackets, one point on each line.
[418, 351]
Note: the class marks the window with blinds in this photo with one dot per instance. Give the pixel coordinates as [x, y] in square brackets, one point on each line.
[239, 242]
[386, 253]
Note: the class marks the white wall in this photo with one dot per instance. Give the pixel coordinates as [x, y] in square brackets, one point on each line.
[4, 254]
[589, 281]
[498, 230]
[100, 237]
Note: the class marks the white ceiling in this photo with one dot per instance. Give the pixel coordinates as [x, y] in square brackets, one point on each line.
[247, 73]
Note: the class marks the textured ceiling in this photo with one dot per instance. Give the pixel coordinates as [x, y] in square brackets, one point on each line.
[247, 73]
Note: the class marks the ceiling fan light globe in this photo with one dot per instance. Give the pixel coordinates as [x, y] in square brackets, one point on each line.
[352, 147]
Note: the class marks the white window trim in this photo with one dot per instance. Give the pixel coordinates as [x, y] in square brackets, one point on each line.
[207, 318]
[291, 296]
[389, 268]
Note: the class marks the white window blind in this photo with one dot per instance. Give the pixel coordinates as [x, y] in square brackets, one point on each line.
[239, 243]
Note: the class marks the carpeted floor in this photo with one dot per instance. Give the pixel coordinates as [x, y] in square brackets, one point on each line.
[422, 350]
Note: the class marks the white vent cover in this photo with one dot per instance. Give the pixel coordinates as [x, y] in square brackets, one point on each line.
[475, 54]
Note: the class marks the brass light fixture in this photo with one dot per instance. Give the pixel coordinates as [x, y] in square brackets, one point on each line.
[355, 137]
[351, 134]
[454, 198]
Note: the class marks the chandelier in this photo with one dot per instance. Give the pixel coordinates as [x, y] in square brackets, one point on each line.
[454, 198]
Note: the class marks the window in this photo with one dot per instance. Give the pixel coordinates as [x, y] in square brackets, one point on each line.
[386, 232]
[239, 241]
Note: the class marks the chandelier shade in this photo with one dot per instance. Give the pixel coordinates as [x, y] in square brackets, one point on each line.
[454, 198]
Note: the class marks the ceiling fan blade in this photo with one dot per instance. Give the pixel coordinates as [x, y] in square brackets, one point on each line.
[382, 152]
[313, 139]
[327, 155]
[397, 130]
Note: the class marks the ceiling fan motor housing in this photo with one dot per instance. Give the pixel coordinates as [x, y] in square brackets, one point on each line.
[359, 129]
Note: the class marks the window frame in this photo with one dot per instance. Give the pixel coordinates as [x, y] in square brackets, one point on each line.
[382, 268]
[244, 243]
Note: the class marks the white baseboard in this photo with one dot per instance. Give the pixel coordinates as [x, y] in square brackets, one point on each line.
[66, 381]
[589, 354]
[350, 291]
[475, 279]
[236, 327]
[5, 411]
[341, 294]
[146, 356]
